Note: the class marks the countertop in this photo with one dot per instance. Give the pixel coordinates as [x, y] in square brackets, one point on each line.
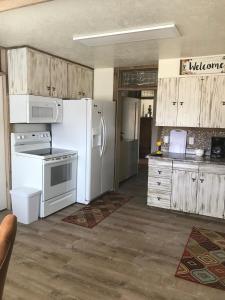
[188, 158]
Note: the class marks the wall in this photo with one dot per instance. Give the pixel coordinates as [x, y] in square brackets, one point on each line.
[103, 84]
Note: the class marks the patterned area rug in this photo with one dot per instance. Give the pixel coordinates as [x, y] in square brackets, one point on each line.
[97, 210]
[203, 260]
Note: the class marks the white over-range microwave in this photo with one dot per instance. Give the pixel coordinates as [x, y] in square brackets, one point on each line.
[35, 109]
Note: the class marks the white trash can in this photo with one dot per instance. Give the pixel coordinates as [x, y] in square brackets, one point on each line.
[25, 204]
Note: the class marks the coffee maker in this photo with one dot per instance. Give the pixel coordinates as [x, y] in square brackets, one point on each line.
[218, 147]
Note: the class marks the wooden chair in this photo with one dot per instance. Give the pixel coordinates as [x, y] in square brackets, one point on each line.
[7, 236]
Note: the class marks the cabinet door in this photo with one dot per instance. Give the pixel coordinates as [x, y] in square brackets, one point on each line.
[189, 100]
[184, 191]
[213, 102]
[74, 82]
[211, 195]
[166, 106]
[58, 78]
[38, 73]
[17, 71]
[87, 83]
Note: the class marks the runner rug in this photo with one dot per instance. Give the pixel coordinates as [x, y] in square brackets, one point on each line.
[203, 260]
[93, 213]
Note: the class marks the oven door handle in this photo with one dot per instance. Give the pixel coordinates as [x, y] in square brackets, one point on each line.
[60, 160]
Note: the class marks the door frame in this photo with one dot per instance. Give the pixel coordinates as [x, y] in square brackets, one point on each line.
[117, 98]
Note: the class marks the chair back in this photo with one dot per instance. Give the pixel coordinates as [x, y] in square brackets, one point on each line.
[8, 229]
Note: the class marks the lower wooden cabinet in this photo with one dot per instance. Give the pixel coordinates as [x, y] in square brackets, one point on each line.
[211, 195]
[188, 187]
[184, 191]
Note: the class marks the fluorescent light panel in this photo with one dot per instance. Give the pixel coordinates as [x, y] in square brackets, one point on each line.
[164, 31]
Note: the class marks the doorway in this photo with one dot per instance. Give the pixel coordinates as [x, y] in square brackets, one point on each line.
[135, 118]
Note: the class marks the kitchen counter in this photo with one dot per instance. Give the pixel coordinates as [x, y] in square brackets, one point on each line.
[188, 158]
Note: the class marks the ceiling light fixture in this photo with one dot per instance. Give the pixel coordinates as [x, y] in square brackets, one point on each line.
[163, 31]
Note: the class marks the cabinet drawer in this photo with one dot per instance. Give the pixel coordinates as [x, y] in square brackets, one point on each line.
[159, 200]
[212, 168]
[186, 166]
[159, 171]
[159, 184]
[160, 162]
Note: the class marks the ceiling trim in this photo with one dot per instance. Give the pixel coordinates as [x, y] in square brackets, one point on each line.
[13, 4]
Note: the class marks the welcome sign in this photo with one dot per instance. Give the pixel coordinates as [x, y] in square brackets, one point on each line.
[202, 65]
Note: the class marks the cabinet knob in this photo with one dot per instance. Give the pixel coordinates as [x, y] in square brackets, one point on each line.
[159, 171]
[181, 103]
[159, 183]
[53, 88]
[201, 180]
[158, 198]
[223, 102]
[48, 88]
[193, 179]
[79, 93]
[174, 102]
[83, 93]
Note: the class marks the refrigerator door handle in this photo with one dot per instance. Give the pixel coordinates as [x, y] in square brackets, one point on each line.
[102, 137]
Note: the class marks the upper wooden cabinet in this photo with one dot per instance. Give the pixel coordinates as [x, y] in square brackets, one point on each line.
[213, 102]
[36, 73]
[178, 102]
[166, 113]
[29, 72]
[80, 82]
[191, 101]
[58, 78]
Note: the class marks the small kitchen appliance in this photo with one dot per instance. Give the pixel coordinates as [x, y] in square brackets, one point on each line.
[53, 171]
[178, 140]
[35, 109]
[218, 147]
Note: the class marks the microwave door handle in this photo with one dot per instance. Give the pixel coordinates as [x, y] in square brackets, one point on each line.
[57, 111]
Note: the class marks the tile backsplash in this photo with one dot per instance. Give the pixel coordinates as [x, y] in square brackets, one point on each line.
[202, 138]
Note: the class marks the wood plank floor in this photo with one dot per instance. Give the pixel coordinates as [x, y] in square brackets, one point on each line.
[131, 255]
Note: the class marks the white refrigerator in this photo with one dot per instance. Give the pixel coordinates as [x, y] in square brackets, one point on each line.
[89, 127]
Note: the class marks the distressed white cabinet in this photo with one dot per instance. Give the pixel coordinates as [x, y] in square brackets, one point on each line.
[213, 102]
[36, 73]
[197, 188]
[184, 191]
[87, 82]
[80, 82]
[58, 78]
[159, 183]
[211, 191]
[178, 101]
[166, 112]
[29, 72]
[189, 100]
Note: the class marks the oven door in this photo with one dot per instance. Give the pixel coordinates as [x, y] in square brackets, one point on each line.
[44, 110]
[59, 176]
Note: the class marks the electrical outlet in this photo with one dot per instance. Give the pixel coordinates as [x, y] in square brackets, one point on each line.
[191, 140]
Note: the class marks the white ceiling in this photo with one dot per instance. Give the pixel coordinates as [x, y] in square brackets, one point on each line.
[50, 26]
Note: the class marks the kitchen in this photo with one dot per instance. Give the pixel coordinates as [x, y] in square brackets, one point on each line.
[61, 98]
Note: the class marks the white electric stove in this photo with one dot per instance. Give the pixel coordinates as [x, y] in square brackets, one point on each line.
[51, 170]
